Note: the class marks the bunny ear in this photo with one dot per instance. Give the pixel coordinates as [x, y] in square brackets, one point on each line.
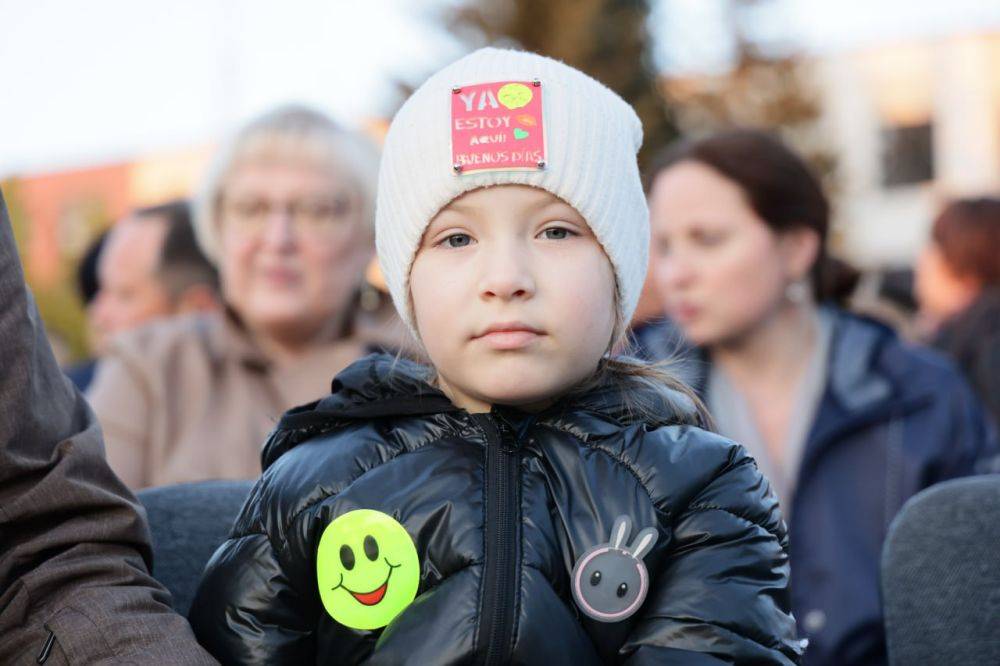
[644, 542]
[620, 531]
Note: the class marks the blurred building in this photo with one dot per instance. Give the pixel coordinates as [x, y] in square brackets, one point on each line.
[911, 124]
[895, 128]
[62, 211]
[57, 215]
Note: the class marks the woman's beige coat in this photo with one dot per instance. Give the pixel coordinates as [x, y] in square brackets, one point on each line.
[193, 398]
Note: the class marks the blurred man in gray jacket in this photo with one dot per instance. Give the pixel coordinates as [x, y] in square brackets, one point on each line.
[74, 550]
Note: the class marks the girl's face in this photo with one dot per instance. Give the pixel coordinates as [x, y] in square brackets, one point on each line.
[719, 269]
[294, 244]
[513, 296]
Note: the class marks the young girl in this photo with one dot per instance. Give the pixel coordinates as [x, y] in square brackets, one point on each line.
[528, 499]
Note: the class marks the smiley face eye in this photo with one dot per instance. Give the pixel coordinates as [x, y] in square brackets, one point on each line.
[347, 557]
[371, 548]
[622, 590]
[595, 578]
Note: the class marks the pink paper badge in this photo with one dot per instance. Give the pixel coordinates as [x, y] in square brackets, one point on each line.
[497, 127]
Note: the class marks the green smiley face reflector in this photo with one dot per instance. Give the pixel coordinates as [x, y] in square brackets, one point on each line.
[367, 569]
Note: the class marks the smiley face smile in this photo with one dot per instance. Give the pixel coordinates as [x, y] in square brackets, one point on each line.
[375, 596]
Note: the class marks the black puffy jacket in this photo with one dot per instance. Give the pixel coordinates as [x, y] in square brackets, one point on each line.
[500, 507]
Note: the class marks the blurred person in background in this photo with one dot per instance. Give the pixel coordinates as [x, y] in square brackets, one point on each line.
[150, 268]
[844, 419]
[81, 373]
[958, 289]
[286, 214]
[887, 295]
[146, 267]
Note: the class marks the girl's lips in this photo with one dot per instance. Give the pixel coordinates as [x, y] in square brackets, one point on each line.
[509, 340]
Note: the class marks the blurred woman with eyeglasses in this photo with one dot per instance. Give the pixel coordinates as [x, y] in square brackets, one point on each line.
[286, 214]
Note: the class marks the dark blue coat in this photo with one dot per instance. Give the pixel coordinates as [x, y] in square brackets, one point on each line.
[893, 420]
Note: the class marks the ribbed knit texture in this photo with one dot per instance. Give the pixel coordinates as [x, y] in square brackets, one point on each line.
[592, 137]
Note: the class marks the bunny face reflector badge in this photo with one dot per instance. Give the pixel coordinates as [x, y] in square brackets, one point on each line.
[610, 580]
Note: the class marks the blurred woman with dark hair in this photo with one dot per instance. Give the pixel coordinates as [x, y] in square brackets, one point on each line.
[958, 289]
[845, 420]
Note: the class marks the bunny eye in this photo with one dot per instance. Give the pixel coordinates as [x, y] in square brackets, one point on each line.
[622, 590]
[595, 578]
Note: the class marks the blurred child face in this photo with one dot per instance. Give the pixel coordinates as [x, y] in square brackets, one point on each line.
[719, 269]
[294, 246]
[513, 296]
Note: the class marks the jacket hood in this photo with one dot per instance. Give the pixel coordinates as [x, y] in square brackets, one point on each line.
[384, 386]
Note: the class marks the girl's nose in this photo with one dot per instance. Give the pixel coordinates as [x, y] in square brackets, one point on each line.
[507, 274]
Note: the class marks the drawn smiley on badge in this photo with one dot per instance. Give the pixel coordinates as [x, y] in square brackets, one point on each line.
[367, 569]
[514, 95]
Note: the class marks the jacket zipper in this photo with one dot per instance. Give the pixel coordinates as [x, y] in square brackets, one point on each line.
[502, 509]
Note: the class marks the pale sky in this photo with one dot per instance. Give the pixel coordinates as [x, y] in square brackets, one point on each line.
[86, 83]
[692, 34]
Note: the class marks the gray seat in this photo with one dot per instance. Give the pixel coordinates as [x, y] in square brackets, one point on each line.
[941, 575]
[188, 521]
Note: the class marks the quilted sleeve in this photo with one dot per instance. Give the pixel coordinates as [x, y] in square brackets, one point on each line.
[248, 608]
[721, 593]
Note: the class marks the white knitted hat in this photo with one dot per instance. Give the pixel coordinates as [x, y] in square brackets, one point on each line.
[583, 151]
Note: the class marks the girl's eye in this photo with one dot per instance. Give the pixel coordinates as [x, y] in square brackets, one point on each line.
[557, 233]
[457, 240]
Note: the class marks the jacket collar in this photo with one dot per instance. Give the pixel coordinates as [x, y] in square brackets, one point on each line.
[853, 378]
[861, 386]
[380, 385]
[229, 338]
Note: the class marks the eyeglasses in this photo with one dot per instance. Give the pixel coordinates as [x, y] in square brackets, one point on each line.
[309, 216]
